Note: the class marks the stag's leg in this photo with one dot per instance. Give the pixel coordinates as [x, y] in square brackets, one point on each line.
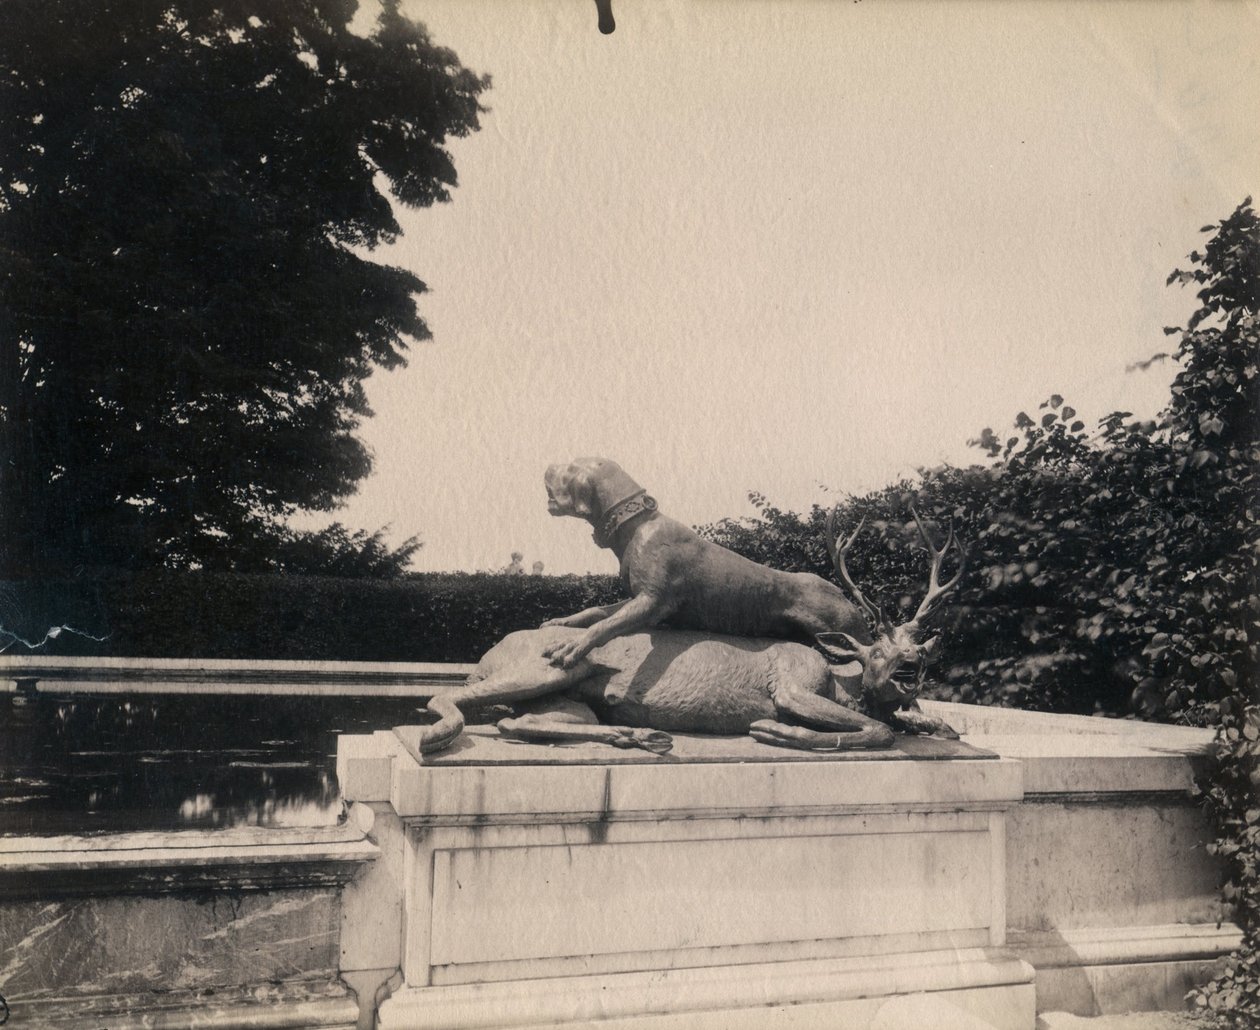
[914, 720]
[587, 617]
[529, 677]
[554, 728]
[838, 728]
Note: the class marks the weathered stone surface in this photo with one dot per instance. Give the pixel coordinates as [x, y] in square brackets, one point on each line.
[316, 1004]
[1112, 896]
[107, 945]
[666, 887]
[235, 928]
[855, 994]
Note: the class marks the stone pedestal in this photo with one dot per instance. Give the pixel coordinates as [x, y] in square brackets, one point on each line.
[728, 884]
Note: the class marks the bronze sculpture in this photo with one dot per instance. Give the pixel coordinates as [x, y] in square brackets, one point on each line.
[727, 662]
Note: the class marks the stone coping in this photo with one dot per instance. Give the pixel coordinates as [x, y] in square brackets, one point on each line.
[180, 860]
[1079, 757]
[487, 778]
[988, 719]
[31, 674]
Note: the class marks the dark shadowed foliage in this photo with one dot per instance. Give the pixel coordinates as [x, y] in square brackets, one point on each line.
[175, 613]
[187, 192]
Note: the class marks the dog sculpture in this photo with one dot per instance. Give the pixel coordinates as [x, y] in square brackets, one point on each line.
[634, 690]
[677, 577]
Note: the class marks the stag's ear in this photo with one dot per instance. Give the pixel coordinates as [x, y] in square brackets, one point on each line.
[842, 648]
[930, 649]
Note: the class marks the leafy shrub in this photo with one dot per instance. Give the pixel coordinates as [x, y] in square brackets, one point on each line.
[1111, 571]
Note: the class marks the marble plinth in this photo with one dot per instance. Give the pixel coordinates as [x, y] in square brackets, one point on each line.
[727, 884]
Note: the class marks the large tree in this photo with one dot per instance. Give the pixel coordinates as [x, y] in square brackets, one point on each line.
[188, 189]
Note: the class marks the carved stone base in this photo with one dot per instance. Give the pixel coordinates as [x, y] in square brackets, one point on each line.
[731, 884]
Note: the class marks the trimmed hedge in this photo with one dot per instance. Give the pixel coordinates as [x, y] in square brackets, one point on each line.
[429, 617]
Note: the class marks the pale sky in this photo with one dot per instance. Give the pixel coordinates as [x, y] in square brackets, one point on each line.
[773, 245]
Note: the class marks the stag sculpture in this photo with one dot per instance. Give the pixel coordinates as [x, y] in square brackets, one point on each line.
[893, 665]
[635, 690]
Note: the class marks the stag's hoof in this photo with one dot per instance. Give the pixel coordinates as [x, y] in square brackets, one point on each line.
[650, 740]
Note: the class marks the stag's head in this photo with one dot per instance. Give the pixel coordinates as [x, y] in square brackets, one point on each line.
[894, 664]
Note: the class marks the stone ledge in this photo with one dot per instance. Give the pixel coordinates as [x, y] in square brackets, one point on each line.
[1174, 942]
[581, 783]
[689, 996]
[25, 674]
[1081, 759]
[148, 863]
[293, 1005]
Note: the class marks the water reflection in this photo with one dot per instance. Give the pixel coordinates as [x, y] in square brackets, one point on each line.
[92, 764]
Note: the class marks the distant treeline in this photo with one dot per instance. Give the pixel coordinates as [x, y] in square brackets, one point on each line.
[422, 617]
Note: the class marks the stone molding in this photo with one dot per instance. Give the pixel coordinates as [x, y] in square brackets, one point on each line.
[289, 1005]
[1106, 945]
[184, 860]
[24, 674]
[766, 993]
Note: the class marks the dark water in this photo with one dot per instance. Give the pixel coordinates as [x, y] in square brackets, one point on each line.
[93, 764]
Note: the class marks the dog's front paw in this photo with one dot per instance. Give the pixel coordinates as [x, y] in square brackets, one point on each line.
[566, 653]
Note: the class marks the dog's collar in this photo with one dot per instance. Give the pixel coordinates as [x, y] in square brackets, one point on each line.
[621, 513]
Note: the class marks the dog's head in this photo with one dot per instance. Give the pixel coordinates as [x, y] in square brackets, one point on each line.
[587, 488]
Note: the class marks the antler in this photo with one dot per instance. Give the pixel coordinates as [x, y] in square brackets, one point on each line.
[936, 590]
[837, 552]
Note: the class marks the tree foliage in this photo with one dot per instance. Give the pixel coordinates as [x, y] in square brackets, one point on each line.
[187, 191]
[1112, 570]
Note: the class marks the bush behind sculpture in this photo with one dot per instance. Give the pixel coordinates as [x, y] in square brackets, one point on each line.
[173, 613]
[1112, 570]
